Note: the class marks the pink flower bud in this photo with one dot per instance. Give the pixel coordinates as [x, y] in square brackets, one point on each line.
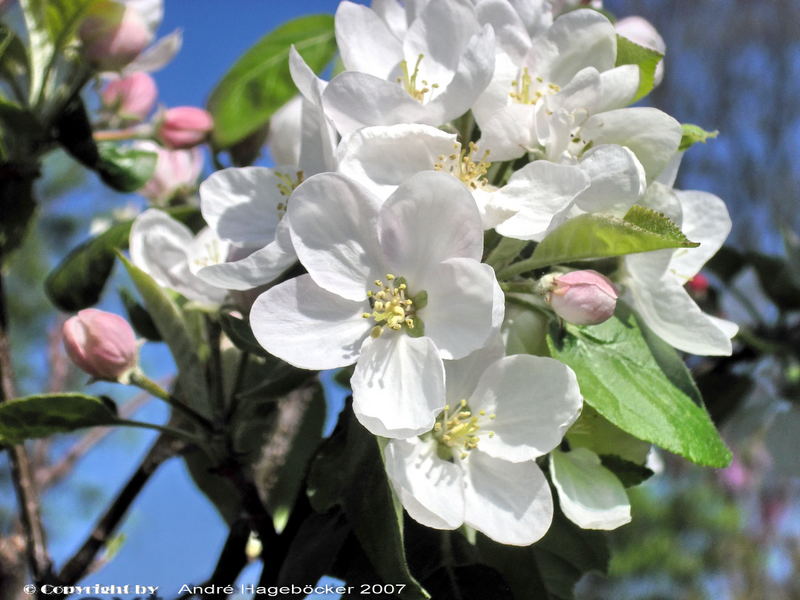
[581, 297]
[698, 284]
[100, 343]
[113, 35]
[184, 127]
[176, 170]
[131, 97]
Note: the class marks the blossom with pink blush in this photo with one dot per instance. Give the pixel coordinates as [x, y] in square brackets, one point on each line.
[112, 35]
[101, 343]
[184, 127]
[176, 172]
[131, 97]
[581, 297]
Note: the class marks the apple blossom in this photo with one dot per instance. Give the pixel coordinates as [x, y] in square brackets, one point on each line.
[431, 74]
[101, 343]
[176, 172]
[476, 466]
[654, 281]
[184, 127]
[581, 297]
[642, 32]
[112, 35]
[131, 97]
[171, 254]
[394, 285]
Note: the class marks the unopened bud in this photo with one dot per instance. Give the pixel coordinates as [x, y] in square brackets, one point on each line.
[580, 297]
[132, 97]
[698, 284]
[176, 172]
[184, 127]
[112, 35]
[100, 343]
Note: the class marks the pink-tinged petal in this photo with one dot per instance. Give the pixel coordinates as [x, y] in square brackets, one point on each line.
[333, 224]
[534, 399]
[509, 502]
[430, 218]
[353, 100]
[307, 326]
[365, 42]
[241, 204]
[430, 489]
[398, 385]
[590, 495]
[460, 314]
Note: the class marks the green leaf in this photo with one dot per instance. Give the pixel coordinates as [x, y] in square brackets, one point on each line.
[140, 319]
[239, 332]
[78, 281]
[692, 134]
[314, 548]
[647, 59]
[124, 168]
[629, 473]
[621, 379]
[588, 237]
[549, 569]
[46, 414]
[468, 582]
[260, 83]
[348, 464]
[172, 327]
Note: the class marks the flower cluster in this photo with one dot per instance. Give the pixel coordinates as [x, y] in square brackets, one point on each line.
[457, 127]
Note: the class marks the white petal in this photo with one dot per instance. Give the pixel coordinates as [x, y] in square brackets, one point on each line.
[318, 140]
[353, 100]
[241, 204]
[619, 85]
[307, 326]
[284, 132]
[538, 191]
[392, 14]
[653, 135]
[462, 375]
[617, 180]
[509, 502]
[511, 33]
[535, 400]
[383, 157]
[671, 313]
[430, 218]
[590, 495]
[509, 132]
[259, 268]
[309, 85]
[151, 11]
[705, 220]
[430, 489]
[365, 42]
[537, 15]
[460, 314]
[398, 385]
[157, 56]
[333, 224]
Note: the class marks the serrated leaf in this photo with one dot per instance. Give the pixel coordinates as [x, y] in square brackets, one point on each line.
[692, 134]
[621, 379]
[259, 83]
[78, 281]
[172, 327]
[348, 464]
[123, 168]
[588, 237]
[47, 414]
[647, 59]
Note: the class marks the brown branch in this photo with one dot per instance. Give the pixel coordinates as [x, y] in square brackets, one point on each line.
[21, 473]
[164, 447]
[12, 566]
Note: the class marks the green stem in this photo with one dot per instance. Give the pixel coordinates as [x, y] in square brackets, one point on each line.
[504, 252]
[519, 287]
[143, 382]
[517, 268]
[178, 433]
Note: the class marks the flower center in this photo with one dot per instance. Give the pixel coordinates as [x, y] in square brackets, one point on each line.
[463, 165]
[459, 428]
[286, 185]
[409, 81]
[215, 253]
[528, 90]
[391, 306]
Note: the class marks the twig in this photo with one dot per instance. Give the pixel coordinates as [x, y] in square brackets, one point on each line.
[76, 567]
[48, 476]
[36, 545]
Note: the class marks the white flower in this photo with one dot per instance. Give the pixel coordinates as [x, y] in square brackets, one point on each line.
[590, 495]
[477, 465]
[176, 171]
[642, 32]
[378, 272]
[432, 74]
[171, 254]
[157, 56]
[655, 280]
